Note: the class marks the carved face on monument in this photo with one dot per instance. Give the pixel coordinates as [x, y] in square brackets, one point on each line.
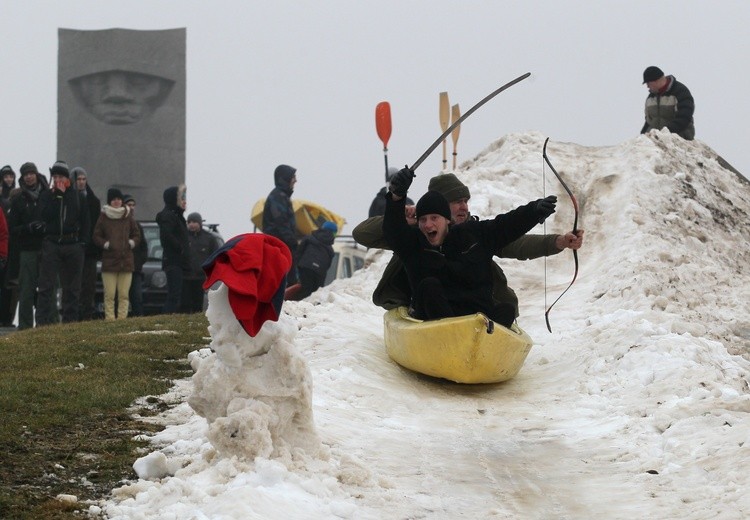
[118, 97]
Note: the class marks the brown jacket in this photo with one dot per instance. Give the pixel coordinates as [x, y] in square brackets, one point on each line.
[116, 232]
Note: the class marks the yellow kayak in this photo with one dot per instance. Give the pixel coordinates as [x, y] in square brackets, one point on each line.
[309, 216]
[464, 349]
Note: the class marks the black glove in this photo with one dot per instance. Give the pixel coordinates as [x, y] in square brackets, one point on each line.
[545, 207]
[401, 181]
[36, 227]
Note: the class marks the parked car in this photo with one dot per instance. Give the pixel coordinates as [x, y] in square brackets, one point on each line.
[154, 279]
[348, 257]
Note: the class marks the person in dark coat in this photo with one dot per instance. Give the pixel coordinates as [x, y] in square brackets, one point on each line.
[140, 255]
[175, 244]
[63, 212]
[377, 207]
[92, 252]
[450, 267]
[8, 177]
[202, 245]
[669, 104]
[27, 233]
[278, 213]
[393, 288]
[8, 290]
[314, 256]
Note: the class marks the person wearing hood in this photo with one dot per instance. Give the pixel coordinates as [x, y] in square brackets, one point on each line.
[314, 256]
[92, 252]
[173, 235]
[278, 213]
[202, 244]
[27, 233]
[8, 177]
[62, 210]
[377, 207]
[8, 292]
[669, 104]
[116, 232]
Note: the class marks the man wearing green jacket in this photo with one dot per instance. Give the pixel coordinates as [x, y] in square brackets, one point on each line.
[393, 289]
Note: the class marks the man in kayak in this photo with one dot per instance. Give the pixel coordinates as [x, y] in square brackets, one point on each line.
[449, 267]
[393, 289]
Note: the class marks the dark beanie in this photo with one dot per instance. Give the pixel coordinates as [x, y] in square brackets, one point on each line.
[114, 193]
[126, 197]
[7, 170]
[449, 187]
[60, 168]
[433, 202]
[28, 167]
[195, 217]
[652, 74]
[284, 173]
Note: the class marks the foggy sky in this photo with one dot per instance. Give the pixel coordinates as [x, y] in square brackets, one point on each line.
[298, 82]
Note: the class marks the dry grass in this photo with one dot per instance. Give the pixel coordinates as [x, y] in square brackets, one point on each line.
[65, 393]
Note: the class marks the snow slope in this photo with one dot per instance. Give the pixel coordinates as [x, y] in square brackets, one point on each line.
[636, 406]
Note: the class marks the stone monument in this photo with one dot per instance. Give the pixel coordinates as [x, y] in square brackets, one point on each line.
[121, 110]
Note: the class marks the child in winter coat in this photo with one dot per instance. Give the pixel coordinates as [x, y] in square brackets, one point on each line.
[116, 232]
[314, 255]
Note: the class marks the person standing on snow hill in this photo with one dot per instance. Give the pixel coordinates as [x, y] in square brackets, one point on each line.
[377, 208]
[278, 213]
[173, 235]
[669, 104]
[450, 266]
[393, 289]
[314, 256]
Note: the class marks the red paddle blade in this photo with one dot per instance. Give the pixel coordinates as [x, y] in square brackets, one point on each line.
[383, 121]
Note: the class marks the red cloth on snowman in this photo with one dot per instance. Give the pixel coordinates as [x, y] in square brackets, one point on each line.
[253, 266]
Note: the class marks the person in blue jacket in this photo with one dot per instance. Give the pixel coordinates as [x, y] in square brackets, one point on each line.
[314, 256]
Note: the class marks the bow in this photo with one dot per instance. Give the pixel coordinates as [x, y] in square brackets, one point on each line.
[575, 230]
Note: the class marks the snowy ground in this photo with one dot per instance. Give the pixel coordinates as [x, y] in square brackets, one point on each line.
[636, 406]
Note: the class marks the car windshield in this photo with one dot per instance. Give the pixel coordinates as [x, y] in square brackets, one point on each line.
[154, 244]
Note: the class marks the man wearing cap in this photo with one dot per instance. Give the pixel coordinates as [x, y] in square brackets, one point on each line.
[314, 256]
[450, 267]
[669, 104]
[64, 213]
[27, 232]
[92, 252]
[202, 245]
[393, 289]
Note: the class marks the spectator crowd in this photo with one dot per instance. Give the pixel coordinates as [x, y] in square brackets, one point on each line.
[54, 231]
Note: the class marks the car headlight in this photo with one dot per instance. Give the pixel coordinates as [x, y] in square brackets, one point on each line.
[159, 279]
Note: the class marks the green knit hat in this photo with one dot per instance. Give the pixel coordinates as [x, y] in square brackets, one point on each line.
[449, 187]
